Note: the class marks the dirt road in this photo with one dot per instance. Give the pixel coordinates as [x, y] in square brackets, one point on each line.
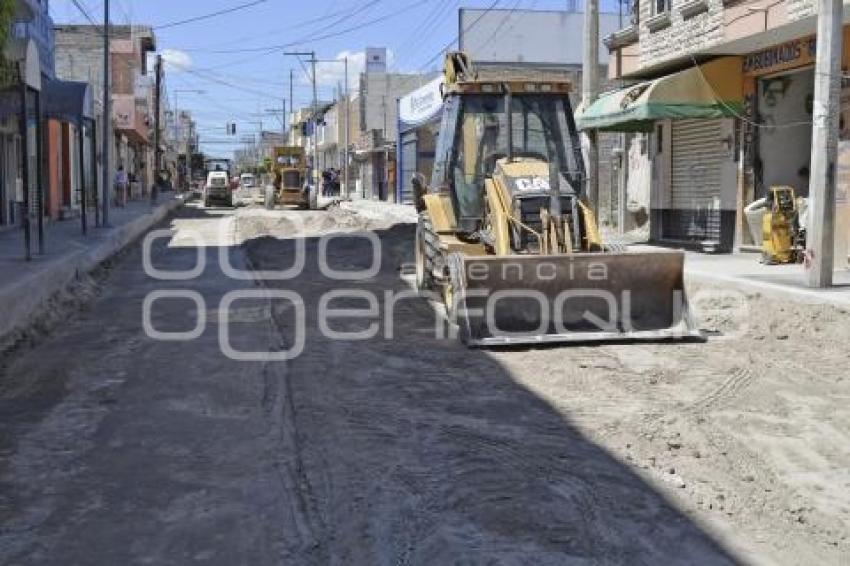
[116, 448]
[617, 453]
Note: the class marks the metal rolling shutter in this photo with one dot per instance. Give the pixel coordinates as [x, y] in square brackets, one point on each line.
[697, 159]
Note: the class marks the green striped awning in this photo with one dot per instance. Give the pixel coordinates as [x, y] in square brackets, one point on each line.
[712, 90]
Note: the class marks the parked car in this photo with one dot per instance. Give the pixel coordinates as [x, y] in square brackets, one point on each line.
[217, 189]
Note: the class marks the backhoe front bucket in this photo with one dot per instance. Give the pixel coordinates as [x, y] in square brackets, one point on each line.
[583, 297]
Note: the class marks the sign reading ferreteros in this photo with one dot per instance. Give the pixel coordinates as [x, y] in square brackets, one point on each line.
[796, 53]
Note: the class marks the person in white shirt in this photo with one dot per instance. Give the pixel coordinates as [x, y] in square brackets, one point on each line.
[121, 182]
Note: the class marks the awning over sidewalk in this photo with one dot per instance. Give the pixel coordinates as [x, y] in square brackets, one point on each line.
[68, 101]
[711, 90]
[21, 52]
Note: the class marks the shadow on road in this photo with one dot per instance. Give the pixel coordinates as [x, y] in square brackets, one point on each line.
[412, 450]
[416, 449]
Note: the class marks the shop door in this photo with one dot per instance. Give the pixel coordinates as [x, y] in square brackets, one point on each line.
[697, 162]
[409, 151]
[785, 141]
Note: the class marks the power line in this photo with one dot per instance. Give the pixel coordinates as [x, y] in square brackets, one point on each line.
[211, 15]
[346, 12]
[311, 38]
[222, 82]
[414, 43]
[737, 114]
[456, 39]
[84, 11]
[504, 21]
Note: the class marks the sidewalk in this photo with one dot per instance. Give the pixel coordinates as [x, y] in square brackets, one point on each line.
[27, 285]
[744, 271]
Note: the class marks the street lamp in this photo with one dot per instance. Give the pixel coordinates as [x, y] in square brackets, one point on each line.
[343, 61]
[177, 108]
[178, 129]
[347, 130]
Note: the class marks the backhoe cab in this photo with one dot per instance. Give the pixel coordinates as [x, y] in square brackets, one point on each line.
[506, 236]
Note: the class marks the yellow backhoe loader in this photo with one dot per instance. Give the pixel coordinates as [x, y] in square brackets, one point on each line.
[504, 233]
[291, 185]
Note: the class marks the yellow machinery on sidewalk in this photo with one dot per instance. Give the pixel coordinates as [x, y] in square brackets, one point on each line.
[783, 238]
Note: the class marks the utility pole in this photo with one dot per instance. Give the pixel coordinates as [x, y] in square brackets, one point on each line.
[107, 118]
[291, 99]
[313, 61]
[157, 152]
[315, 115]
[590, 91]
[821, 230]
[25, 159]
[81, 140]
[347, 131]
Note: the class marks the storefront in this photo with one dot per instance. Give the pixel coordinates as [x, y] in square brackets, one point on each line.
[700, 208]
[20, 129]
[69, 110]
[419, 124]
[777, 130]
[688, 118]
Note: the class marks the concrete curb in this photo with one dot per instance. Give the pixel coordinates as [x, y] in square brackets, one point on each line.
[835, 298]
[21, 301]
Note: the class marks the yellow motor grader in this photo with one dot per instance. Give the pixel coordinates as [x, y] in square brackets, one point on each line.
[504, 233]
[291, 185]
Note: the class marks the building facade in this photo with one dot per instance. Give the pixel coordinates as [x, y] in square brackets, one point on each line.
[27, 63]
[79, 57]
[732, 88]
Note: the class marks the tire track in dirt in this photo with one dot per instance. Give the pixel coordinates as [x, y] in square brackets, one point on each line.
[279, 405]
[740, 379]
[460, 475]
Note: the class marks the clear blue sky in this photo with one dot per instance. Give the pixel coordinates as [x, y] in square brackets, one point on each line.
[242, 86]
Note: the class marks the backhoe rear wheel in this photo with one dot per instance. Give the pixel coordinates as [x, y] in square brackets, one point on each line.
[427, 248]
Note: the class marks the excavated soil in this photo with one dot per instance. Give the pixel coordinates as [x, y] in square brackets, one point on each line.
[405, 447]
[417, 450]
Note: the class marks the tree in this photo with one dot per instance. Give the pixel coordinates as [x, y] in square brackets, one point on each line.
[7, 12]
[7, 70]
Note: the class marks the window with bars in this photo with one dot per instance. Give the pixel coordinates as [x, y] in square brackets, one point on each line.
[660, 6]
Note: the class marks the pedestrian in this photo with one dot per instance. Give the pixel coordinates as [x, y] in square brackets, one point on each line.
[121, 182]
[326, 183]
[335, 182]
[159, 182]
